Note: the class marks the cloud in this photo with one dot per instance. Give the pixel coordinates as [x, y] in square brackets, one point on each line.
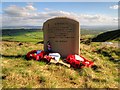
[20, 16]
[98, 19]
[28, 15]
[114, 7]
[17, 11]
[47, 9]
[30, 8]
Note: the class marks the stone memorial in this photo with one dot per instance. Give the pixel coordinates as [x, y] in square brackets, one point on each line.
[63, 34]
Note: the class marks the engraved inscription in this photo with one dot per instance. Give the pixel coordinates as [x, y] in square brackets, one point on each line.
[61, 31]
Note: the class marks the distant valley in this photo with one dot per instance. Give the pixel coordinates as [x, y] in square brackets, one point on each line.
[84, 27]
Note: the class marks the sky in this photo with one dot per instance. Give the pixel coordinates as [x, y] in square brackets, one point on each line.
[36, 13]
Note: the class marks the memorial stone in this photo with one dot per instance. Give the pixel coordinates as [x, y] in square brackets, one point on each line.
[63, 34]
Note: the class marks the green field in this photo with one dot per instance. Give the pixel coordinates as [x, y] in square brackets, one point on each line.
[22, 35]
[17, 72]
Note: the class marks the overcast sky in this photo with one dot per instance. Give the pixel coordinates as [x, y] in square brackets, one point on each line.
[35, 13]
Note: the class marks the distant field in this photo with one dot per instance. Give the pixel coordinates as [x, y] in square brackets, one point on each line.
[23, 35]
[35, 35]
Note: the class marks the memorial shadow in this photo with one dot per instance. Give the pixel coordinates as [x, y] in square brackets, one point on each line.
[13, 56]
[24, 57]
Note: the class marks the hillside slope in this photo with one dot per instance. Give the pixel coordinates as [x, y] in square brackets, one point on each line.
[109, 35]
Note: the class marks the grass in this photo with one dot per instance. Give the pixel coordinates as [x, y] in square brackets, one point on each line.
[17, 72]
